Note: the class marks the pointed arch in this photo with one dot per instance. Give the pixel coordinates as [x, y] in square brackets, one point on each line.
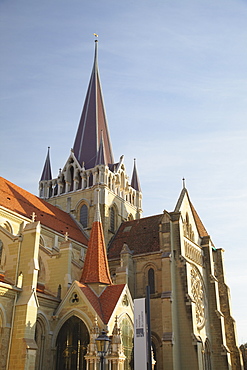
[156, 343]
[40, 339]
[113, 212]
[90, 180]
[71, 344]
[71, 178]
[151, 280]
[84, 215]
[149, 277]
[62, 185]
[127, 335]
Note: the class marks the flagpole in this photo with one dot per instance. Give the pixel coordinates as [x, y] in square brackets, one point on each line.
[149, 355]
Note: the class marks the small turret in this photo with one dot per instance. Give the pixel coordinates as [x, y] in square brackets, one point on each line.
[45, 184]
[135, 183]
[46, 174]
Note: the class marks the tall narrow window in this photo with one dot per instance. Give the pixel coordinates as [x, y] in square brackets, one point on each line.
[40, 341]
[84, 216]
[63, 185]
[72, 342]
[127, 339]
[90, 181]
[151, 282]
[112, 219]
[71, 178]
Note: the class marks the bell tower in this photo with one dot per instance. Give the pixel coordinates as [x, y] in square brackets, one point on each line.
[91, 167]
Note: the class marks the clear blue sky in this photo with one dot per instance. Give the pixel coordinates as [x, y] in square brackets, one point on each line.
[174, 78]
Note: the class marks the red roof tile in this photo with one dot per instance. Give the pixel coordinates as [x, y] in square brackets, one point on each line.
[105, 304]
[20, 201]
[141, 236]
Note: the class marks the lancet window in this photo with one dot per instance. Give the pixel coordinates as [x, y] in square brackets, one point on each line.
[84, 216]
[151, 281]
[127, 340]
[112, 219]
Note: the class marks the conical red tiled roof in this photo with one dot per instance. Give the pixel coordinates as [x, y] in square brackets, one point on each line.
[93, 121]
[96, 269]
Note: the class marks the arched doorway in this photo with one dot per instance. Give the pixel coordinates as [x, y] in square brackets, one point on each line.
[72, 342]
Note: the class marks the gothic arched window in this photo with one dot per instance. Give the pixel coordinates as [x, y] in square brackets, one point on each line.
[63, 185]
[71, 344]
[40, 341]
[127, 340]
[151, 281]
[71, 178]
[84, 216]
[90, 180]
[112, 219]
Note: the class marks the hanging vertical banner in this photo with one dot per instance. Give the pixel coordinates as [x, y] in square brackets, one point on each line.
[140, 335]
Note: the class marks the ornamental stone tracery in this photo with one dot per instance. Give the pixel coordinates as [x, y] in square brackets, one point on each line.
[197, 292]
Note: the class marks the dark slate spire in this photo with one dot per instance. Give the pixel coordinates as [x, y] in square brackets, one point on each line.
[135, 183]
[46, 174]
[93, 121]
[100, 159]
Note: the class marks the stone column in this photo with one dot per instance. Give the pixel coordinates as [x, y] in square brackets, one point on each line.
[23, 346]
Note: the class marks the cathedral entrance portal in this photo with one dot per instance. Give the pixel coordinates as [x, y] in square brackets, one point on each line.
[71, 344]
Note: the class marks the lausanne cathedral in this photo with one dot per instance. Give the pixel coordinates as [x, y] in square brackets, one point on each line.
[73, 260]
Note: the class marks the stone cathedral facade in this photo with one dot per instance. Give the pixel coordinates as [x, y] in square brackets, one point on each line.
[73, 260]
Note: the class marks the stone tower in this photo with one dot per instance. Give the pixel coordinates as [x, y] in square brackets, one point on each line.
[91, 166]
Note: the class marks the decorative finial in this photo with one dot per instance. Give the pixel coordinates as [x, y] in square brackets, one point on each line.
[183, 179]
[33, 215]
[96, 36]
[66, 235]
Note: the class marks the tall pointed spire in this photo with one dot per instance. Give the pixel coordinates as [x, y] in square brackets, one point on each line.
[93, 121]
[96, 269]
[46, 174]
[135, 183]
